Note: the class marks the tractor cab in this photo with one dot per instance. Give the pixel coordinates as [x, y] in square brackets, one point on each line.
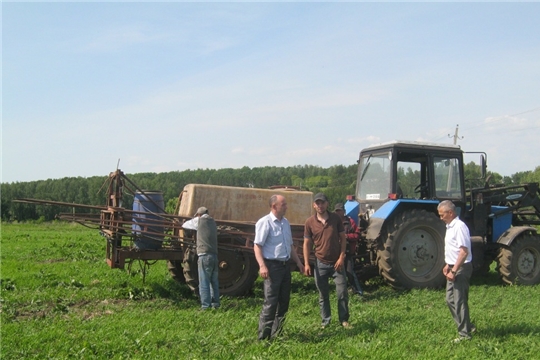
[409, 171]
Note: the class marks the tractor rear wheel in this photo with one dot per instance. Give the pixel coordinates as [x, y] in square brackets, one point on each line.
[237, 271]
[520, 262]
[413, 254]
[176, 271]
[191, 269]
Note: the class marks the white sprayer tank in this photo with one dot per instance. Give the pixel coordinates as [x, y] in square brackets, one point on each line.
[244, 204]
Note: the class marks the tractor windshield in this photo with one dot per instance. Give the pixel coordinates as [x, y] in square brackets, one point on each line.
[374, 174]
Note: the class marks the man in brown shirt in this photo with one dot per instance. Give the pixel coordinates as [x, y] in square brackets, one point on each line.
[324, 232]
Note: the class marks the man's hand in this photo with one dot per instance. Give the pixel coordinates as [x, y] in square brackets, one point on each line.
[263, 270]
[445, 270]
[339, 264]
[307, 270]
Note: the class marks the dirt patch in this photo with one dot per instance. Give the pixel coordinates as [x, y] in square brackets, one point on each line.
[52, 261]
[85, 309]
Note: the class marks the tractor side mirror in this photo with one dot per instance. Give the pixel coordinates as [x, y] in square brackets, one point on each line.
[483, 165]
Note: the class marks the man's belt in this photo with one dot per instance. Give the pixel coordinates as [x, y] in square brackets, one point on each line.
[283, 262]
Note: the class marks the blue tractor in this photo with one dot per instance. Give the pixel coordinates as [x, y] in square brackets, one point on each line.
[399, 186]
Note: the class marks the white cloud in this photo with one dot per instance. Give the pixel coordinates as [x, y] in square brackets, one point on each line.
[238, 150]
[258, 83]
[370, 139]
[114, 39]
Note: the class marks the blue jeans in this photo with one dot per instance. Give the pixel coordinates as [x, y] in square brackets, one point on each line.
[323, 272]
[208, 280]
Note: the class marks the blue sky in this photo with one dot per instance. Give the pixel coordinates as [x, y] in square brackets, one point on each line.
[176, 86]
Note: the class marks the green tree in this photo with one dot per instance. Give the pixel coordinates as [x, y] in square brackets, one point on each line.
[336, 182]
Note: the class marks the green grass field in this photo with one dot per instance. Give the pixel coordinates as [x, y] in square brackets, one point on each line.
[60, 300]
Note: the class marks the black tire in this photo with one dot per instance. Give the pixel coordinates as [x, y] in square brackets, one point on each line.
[237, 271]
[176, 271]
[413, 254]
[520, 263]
[190, 269]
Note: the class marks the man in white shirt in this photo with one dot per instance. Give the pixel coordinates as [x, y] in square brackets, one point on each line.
[458, 268]
[273, 250]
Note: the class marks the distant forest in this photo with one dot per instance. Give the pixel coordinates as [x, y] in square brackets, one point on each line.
[336, 182]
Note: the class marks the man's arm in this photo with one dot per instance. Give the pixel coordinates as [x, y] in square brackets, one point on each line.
[354, 234]
[296, 259]
[263, 270]
[343, 241]
[261, 233]
[462, 256]
[308, 245]
[192, 224]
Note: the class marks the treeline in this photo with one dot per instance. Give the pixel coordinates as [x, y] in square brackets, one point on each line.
[336, 182]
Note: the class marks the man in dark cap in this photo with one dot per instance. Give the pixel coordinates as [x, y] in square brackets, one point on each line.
[207, 251]
[351, 232]
[324, 233]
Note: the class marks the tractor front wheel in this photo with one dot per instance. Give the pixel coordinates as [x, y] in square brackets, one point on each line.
[413, 253]
[520, 262]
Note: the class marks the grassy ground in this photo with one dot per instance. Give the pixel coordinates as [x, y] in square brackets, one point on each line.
[60, 300]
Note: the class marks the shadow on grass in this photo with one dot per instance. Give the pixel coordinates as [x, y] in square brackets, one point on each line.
[375, 289]
[317, 335]
[491, 278]
[173, 290]
[181, 293]
[510, 329]
[303, 284]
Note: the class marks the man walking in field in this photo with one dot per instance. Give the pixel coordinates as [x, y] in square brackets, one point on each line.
[273, 250]
[324, 232]
[207, 250]
[458, 268]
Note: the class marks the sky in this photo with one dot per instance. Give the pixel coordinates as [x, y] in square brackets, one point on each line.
[158, 87]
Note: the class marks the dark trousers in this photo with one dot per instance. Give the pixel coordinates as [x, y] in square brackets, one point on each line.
[351, 275]
[457, 298]
[323, 273]
[277, 293]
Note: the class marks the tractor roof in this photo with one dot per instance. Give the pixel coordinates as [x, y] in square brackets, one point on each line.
[412, 145]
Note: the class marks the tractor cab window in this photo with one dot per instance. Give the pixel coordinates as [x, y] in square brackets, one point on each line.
[408, 178]
[374, 175]
[447, 177]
